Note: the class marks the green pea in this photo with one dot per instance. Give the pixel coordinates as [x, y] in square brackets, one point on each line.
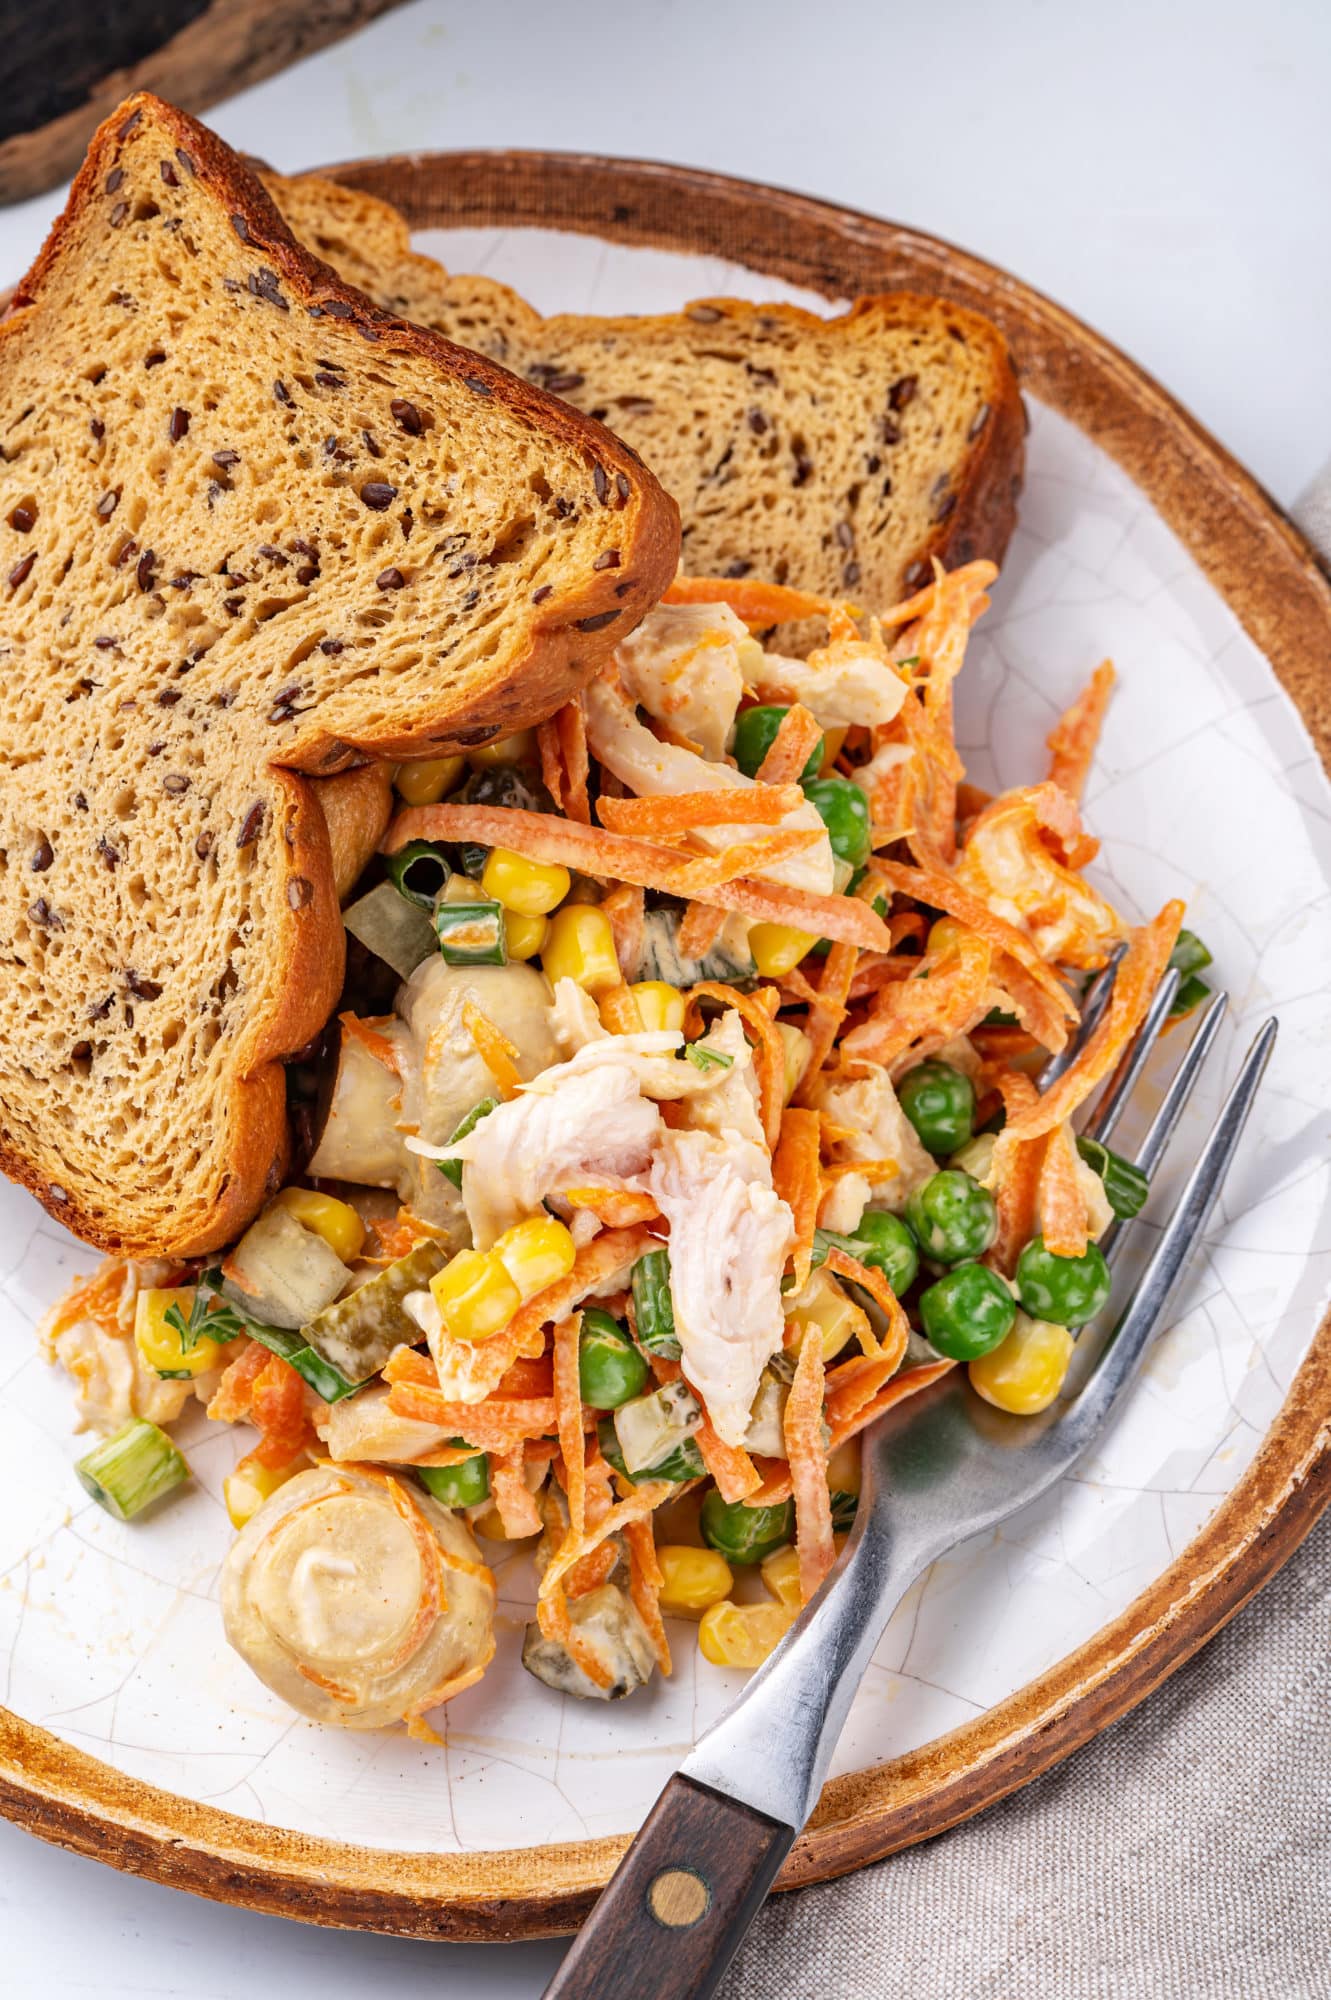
[1067, 1290]
[881, 1240]
[844, 811]
[611, 1369]
[939, 1101]
[953, 1217]
[745, 1534]
[1126, 1186]
[464, 1485]
[755, 733]
[967, 1311]
[653, 1308]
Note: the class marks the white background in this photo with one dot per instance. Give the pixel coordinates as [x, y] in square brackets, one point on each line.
[1161, 169]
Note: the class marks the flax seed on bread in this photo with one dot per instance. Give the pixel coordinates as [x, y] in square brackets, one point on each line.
[252, 532]
[840, 454]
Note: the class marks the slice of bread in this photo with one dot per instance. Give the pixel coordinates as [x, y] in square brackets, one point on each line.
[253, 530]
[838, 454]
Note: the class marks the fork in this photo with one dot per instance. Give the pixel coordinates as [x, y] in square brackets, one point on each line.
[673, 1914]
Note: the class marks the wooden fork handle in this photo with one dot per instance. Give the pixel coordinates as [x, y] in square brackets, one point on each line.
[673, 1913]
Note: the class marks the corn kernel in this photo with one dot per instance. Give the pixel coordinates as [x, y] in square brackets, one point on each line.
[532, 888]
[945, 935]
[660, 1005]
[778, 948]
[424, 781]
[515, 749]
[160, 1345]
[742, 1635]
[781, 1574]
[536, 1253]
[795, 1046]
[1025, 1372]
[524, 936]
[823, 1304]
[833, 740]
[581, 947]
[247, 1487]
[695, 1579]
[336, 1221]
[475, 1295]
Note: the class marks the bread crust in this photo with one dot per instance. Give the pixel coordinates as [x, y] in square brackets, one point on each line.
[565, 650]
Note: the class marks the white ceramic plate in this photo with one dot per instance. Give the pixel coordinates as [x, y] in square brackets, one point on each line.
[1207, 786]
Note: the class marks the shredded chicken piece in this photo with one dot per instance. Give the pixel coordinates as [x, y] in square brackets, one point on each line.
[849, 681]
[730, 1235]
[653, 769]
[687, 665]
[866, 1106]
[111, 1382]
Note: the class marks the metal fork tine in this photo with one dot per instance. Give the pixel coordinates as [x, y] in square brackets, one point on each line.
[1135, 1058]
[1168, 1261]
[1094, 1001]
[1152, 1148]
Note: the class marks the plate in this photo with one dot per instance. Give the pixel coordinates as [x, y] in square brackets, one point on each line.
[131, 1733]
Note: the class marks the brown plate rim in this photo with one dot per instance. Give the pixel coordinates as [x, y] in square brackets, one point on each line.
[1273, 582]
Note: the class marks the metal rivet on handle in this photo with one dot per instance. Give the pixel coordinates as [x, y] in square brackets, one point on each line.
[678, 1898]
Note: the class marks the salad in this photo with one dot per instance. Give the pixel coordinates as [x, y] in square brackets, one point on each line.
[681, 1116]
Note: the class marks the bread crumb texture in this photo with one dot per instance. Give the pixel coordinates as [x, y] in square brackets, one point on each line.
[251, 529]
[839, 455]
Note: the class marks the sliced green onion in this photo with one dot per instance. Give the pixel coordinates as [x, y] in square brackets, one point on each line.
[1191, 993]
[290, 1343]
[452, 1169]
[705, 1059]
[209, 1316]
[653, 1308]
[1189, 953]
[127, 1472]
[419, 872]
[843, 1512]
[471, 933]
[463, 1485]
[1126, 1186]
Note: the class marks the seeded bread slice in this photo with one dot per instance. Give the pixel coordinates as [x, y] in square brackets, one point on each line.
[253, 530]
[838, 454]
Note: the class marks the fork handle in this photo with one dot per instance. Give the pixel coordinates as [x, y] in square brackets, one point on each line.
[672, 1915]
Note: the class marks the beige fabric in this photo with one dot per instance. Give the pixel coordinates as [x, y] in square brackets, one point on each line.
[1184, 1855]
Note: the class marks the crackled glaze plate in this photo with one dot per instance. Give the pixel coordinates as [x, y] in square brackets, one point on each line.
[132, 1732]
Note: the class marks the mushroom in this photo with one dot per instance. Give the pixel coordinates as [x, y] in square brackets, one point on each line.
[358, 1599]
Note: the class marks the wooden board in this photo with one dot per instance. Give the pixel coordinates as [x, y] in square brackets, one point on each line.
[1270, 579]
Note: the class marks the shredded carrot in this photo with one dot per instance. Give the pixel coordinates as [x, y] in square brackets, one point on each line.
[102, 1298]
[571, 727]
[489, 1426]
[946, 996]
[699, 928]
[398, 1236]
[757, 604]
[417, 1728]
[552, 1615]
[645, 1581]
[875, 1284]
[230, 1402]
[623, 907]
[514, 1500]
[1015, 1175]
[635, 1506]
[826, 1013]
[1072, 740]
[617, 1208]
[552, 762]
[277, 1409]
[729, 1464]
[660, 818]
[619, 1011]
[591, 1570]
[870, 1170]
[366, 1032]
[941, 892]
[494, 1048]
[791, 748]
[568, 1416]
[802, 1429]
[769, 1054]
[1064, 1220]
[909, 1382]
[797, 1178]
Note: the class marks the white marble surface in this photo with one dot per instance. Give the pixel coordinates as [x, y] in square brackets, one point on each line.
[1132, 189]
